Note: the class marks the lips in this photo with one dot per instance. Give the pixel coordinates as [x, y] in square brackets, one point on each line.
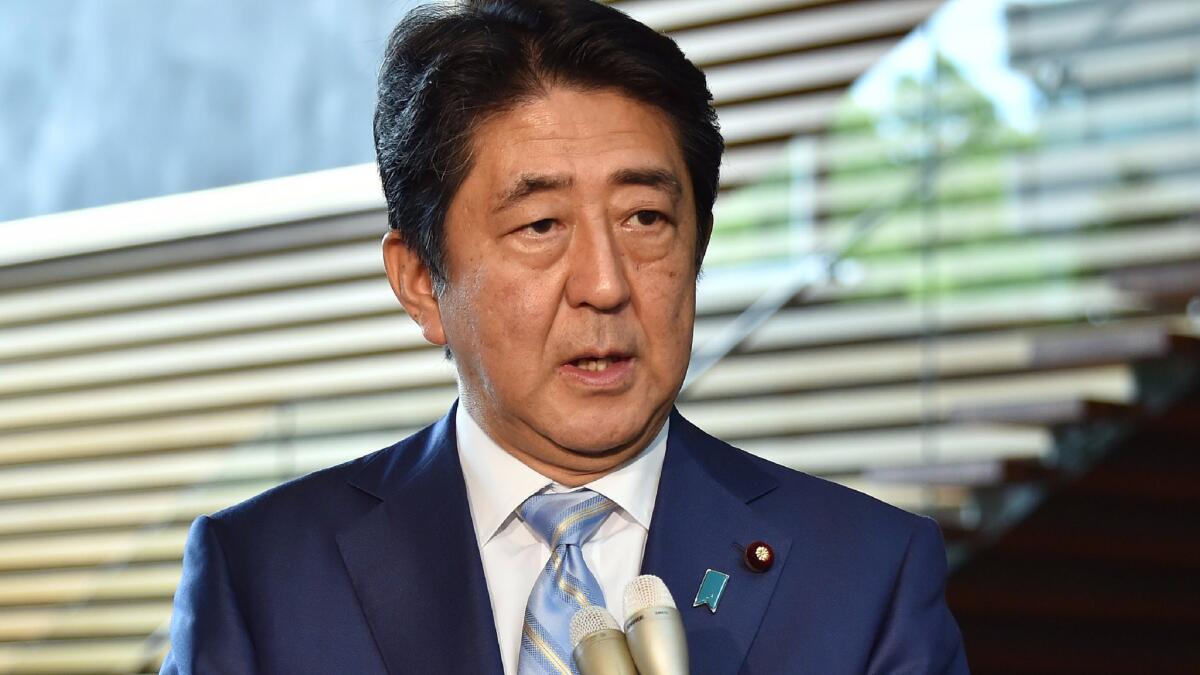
[595, 365]
[597, 362]
[601, 369]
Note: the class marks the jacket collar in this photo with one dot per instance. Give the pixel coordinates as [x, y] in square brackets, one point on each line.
[414, 561]
[702, 520]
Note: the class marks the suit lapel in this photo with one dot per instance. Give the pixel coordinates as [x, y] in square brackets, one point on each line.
[414, 560]
[702, 520]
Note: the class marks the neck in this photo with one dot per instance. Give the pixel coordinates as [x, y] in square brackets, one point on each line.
[564, 465]
[573, 476]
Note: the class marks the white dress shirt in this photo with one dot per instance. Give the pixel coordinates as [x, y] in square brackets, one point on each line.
[513, 555]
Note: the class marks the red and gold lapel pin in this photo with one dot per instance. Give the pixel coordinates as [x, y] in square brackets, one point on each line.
[759, 556]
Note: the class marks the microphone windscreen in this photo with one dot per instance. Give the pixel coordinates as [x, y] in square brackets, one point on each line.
[646, 591]
[591, 619]
[654, 629]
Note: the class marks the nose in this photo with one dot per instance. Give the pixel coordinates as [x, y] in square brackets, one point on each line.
[597, 275]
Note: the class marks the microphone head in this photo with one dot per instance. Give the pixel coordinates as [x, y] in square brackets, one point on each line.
[591, 619]
[646, 591]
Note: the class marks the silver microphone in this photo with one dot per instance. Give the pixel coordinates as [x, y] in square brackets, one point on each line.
[599, 644]
[653, 628]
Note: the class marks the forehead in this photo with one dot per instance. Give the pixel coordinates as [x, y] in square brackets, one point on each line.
[584, 136]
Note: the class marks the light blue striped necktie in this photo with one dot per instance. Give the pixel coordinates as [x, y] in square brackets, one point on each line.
[564, 521]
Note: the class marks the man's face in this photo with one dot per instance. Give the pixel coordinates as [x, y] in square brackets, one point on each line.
[571, 277]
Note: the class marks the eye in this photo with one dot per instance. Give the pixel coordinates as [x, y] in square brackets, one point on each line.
[646, 218]
[542, 226]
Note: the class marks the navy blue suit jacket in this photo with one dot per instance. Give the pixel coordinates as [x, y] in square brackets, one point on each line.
[372, 567]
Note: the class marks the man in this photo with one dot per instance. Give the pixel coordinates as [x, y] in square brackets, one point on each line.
[550, 169]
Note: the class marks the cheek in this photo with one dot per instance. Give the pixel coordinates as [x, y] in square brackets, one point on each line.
[516, 312]
[670, 307]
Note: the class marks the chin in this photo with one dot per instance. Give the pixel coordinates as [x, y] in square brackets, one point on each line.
[598, 434]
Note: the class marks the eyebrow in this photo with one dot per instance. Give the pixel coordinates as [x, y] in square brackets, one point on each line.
[661, 179]
[529, 184]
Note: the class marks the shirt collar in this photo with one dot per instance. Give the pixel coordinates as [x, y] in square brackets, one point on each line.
[497, 483]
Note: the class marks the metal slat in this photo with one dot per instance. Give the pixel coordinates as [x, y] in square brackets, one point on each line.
[672, 15]
[67, 585]
[72, 658]
[122, 510]
[851, 452]
[215, 280]
[801, 30]
[117, 620]
[229, 391]
[268, 460]
[1061, 30]
[312, 195]
[102, 548]
[900, 404]
[796, 72]
[973, 310]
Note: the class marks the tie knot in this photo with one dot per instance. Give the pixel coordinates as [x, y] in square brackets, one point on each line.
[565, 518]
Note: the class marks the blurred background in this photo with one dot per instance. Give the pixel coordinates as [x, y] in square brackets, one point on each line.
[956, 265]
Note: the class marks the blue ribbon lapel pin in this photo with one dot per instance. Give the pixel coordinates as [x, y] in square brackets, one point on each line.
[712, 586]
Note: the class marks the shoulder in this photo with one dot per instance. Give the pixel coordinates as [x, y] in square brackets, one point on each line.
[327, 499]
[807, 506]
[858, 584]
[829, 500]
[306, 498]
[873, 573]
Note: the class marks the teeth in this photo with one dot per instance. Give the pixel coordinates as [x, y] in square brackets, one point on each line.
[594, 365]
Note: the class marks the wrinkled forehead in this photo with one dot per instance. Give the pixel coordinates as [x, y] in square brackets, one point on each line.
[572, 138]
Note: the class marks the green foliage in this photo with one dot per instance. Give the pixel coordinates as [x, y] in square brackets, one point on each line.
[933, 159]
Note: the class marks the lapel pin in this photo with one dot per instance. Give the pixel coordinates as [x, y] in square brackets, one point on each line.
[711, 588]
[759, 556]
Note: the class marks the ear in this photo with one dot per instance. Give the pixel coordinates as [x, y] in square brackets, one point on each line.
[412, 282]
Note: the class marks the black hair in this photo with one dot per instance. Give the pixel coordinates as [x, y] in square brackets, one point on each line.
[448, 69]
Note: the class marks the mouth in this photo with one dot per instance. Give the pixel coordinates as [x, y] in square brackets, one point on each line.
[600, 371]
[597, 364]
